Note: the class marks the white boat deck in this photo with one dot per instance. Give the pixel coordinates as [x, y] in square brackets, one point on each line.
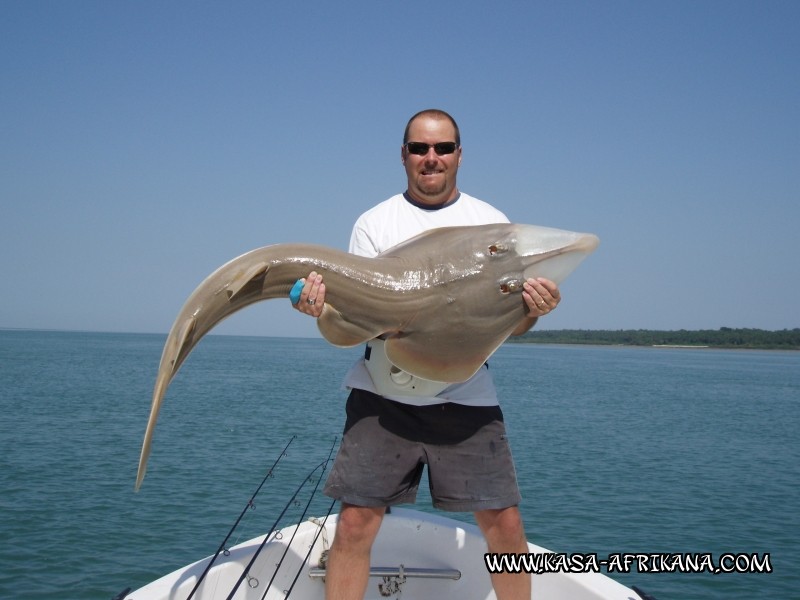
[417, 556]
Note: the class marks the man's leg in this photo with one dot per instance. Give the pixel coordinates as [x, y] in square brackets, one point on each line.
[504, 532]
[347, 572]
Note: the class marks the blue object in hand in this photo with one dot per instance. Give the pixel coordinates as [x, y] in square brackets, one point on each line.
[297, 288]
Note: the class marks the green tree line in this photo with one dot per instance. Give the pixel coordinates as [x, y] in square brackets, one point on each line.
[724, 337]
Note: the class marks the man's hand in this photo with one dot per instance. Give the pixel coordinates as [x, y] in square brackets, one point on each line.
[312, 298]
[541, 296]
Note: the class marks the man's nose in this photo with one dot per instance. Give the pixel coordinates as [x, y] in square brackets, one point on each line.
[431, 155]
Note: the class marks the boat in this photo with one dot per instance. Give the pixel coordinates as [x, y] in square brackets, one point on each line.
[416, 556]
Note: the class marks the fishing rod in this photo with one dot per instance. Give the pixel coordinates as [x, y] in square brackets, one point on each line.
[250, 504]
[261, 546]
[320, 529]
[294, 533]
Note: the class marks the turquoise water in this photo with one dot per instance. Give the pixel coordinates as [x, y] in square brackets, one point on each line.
[618, 450]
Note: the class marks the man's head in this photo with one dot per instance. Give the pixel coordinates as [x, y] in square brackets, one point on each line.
[431, 154]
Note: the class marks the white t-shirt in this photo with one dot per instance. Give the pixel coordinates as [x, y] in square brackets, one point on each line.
[396, 220]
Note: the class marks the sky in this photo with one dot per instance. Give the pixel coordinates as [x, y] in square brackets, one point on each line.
[144, 144]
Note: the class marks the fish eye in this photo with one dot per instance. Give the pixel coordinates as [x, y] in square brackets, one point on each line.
[509, 287]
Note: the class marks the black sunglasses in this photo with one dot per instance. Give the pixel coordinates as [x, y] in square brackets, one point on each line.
[421, 148]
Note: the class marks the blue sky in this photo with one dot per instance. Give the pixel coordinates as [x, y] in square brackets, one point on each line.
[143, 144]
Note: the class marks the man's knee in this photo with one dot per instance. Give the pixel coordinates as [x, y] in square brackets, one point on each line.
[502, 527]
[358, 525]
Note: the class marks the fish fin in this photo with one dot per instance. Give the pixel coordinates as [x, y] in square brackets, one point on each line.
[174, 354]
[158, 397]
[341, 332]
[180, 341]
[241, 281]
[453, 362]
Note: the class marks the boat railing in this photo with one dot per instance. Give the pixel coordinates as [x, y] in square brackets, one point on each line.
[401, 571]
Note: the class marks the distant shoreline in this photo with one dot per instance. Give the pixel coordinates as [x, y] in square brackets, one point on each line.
[724, 337]
[677, 346]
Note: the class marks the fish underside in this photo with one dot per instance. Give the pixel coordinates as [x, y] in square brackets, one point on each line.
[444, 300]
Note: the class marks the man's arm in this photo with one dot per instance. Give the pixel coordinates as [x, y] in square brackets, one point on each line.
[525, 326]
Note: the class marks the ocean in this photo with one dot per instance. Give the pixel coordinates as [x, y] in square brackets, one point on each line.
[618, 450]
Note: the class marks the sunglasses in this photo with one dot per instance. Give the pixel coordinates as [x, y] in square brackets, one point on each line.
[421, 148]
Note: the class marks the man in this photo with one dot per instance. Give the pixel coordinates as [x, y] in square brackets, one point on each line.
[388, 438]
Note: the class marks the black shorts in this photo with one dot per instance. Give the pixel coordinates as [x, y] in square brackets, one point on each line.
[386, 445]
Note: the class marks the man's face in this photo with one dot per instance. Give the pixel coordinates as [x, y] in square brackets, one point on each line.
[431, 177]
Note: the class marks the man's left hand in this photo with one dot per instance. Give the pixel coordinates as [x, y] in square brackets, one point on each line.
[541, 296]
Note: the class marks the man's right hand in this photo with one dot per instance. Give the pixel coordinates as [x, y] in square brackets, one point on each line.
[312, 298]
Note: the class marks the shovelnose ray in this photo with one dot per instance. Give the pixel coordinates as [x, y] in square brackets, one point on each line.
[444, 300]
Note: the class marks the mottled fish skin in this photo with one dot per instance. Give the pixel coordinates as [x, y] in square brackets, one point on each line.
[445, 299]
